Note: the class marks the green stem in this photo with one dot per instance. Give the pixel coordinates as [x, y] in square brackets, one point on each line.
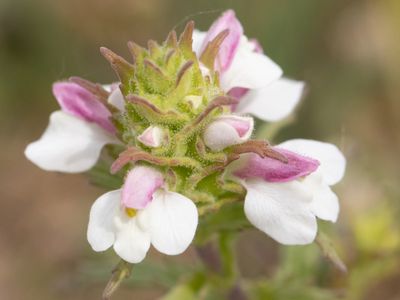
[121, 271]
[228, 263]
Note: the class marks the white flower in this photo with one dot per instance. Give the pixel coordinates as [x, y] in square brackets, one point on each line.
[140, 214]
[246, 73]
[284, 200]
[75, 135]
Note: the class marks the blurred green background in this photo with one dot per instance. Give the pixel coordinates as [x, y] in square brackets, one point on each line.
[348, 52]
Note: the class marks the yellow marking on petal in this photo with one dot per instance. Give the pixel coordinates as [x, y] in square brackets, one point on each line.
[131, 212]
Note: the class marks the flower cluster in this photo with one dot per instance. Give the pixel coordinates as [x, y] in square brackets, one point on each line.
[181, 120]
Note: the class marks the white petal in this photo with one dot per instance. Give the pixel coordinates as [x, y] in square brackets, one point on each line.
[132, 243]
[249, 69]
[117, 99]
[69, 144]
[325, 203]
[108, 87]
[273, 102]
[171, 219]
[333, 162]
[100, 233]
[281, 210]
[198, 38]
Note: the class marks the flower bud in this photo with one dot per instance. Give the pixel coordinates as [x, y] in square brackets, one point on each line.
[227, 131]
[153, 136]
[273, 170]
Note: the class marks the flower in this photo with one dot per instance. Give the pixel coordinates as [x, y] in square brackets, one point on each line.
[76, 134]
[248, 74]
[284, 199]
[143, 212]
[180, 119]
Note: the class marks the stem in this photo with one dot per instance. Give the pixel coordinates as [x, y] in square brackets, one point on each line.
[222, 264]
[120, 272]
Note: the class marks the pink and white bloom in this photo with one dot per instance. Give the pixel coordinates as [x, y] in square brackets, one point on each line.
[141, 214]
[228, 130]
[284, 200]
[246, 73]
[73, 140]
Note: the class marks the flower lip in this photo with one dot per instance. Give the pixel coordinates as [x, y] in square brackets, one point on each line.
[272, 170]
[79, 102]
[139, 187]
[69, 144]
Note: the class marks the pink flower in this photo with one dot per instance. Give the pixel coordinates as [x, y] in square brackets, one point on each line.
[246, 73]
[76, 134]
[284, 200]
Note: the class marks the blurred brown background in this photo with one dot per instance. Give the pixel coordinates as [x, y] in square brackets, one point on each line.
[348, 51]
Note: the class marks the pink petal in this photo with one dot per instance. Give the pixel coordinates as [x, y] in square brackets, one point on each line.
[272, 170]
[147, 138]
[139, 187]
[229, 46]
[257, 46]
[242, 125]
[238, 93]
[79, 102]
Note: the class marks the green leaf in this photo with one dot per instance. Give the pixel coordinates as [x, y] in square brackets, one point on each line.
[329, 252]
[180, 292]
[100, 176]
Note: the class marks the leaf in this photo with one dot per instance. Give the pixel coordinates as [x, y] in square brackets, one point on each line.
[329, 252]
[180, 292]
[100, 176]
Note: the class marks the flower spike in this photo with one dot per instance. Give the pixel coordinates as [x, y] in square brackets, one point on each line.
[174, 140]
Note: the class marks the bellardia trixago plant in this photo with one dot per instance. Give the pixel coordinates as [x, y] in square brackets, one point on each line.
[179, 124]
